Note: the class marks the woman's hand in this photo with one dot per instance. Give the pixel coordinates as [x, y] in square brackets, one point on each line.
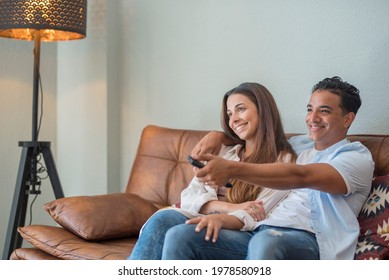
[254, 208]
[213, 223]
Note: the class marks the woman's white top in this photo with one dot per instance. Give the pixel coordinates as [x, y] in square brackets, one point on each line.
[197, 194]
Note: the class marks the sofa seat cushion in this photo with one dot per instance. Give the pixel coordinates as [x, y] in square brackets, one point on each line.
[101, 217]
[63, 244]
[373, 242]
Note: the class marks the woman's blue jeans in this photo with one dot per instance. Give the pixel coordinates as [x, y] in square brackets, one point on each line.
[166, 236]
[151, 240]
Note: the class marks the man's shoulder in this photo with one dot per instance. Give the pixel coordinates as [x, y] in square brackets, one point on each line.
[343, 148]
[356, 148]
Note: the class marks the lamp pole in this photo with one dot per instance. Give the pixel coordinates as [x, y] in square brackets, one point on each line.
[27, 181]
[35, 96]
[49, 21]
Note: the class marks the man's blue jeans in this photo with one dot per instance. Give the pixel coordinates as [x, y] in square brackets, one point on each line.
[279, 243]
[166, 236]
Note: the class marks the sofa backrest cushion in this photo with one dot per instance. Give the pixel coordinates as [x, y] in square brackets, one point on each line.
[160, 169]
[379, 148]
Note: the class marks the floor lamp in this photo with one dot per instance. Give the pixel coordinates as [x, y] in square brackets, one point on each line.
[46, 21]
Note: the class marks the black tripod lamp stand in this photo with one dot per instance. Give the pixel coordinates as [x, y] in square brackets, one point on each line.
[46, 21]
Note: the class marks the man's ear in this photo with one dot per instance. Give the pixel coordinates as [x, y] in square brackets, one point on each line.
[348, 119]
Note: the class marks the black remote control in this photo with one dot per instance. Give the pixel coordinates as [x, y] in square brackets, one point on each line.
[195, 163]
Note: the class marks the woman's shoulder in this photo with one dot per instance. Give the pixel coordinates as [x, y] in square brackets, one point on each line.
[230, 152]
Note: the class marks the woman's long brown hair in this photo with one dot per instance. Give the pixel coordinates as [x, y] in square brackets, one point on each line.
[272, 143]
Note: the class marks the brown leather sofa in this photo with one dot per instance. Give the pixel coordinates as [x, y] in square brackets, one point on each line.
[106, 226]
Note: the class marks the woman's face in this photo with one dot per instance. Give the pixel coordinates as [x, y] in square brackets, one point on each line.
[243, 117]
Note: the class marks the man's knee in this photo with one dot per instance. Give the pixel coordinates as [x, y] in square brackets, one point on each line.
[282, 244]
[265, 245]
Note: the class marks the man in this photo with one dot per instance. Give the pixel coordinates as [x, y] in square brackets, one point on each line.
[329, 183]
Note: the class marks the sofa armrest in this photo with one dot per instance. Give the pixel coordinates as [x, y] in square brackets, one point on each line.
[59, 243]
[101, 217]
[31, 254]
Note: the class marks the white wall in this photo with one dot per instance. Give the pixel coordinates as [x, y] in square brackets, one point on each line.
[170, 62]
[89, 106]
[82, 107]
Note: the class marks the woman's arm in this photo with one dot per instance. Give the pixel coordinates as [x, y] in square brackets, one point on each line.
[254, 208]
[196, 195]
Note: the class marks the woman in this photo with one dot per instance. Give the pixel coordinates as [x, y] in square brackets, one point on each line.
[251, 118]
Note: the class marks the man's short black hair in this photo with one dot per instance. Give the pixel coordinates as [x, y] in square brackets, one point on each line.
[350, 101]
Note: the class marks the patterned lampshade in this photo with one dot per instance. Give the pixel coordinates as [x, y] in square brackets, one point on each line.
[57, 20]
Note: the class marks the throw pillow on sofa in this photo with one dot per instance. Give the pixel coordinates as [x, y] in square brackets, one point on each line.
[373, 241]
[101, 217]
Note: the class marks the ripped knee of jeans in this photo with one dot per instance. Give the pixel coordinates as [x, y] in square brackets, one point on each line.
[274, 232]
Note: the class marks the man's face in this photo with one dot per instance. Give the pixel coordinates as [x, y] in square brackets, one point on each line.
[326, 122]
